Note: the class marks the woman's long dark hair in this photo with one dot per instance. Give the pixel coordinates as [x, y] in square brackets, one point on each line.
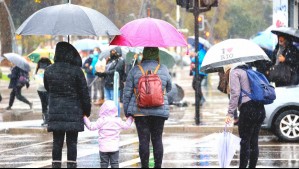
[43, 63]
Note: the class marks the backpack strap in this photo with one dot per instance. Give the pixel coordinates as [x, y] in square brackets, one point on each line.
[142, 70]
[157, 69]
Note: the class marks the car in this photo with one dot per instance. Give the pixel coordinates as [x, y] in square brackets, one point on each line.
[282, 117]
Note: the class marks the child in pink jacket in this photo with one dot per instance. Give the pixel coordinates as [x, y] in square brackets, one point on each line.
[109, 127]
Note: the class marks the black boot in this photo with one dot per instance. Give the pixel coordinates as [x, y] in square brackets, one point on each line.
[56, 164]
[72, 164]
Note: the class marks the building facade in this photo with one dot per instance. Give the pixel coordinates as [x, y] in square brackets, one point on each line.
[293, 13]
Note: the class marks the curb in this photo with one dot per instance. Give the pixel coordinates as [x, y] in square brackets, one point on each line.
[168, 129]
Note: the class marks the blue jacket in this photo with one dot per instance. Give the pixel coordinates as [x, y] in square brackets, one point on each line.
[130, 105]
[201, 55]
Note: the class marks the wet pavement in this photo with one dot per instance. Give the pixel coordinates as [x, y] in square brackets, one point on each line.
[181, 151]
[24, 143]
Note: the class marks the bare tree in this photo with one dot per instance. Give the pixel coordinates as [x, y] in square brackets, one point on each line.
[5, 29]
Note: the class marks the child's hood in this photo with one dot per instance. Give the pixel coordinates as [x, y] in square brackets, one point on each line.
[108, 109]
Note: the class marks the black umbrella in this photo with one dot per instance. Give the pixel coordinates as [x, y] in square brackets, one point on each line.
[289, 32]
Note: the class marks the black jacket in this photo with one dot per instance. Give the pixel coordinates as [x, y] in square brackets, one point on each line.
[68, 91]
[15, 76]
[112, 66]
[291, 55]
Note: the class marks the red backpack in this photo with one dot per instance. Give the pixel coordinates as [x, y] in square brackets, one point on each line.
[150, 92]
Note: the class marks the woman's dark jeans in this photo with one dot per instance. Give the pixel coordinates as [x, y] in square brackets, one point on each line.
[17, 93]
[252, 115]
[44, 98]
[71, 142]
[150, 128]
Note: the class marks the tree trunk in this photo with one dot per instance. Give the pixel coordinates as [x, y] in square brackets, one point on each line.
[112, 12]
[5, 31]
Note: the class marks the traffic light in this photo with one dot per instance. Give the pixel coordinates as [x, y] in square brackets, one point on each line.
[201, 22]
[188, 4]
[207, 34]
[208, 3]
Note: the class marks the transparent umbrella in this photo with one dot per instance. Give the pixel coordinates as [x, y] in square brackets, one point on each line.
[227, 147]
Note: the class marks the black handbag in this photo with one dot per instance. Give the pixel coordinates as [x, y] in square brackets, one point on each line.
[281, 73]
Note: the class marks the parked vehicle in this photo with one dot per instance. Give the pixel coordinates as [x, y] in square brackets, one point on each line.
[282, 117]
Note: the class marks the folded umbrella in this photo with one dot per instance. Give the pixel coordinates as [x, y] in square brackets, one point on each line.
[227, 147]
[232, 51]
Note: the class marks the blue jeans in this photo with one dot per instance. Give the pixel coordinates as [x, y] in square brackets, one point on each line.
[109, 95]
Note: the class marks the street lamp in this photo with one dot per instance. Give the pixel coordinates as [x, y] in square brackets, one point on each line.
[12, 26]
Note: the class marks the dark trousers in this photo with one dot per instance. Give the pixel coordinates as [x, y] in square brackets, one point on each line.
[71, 142]
[17, 93]
[252, 115]
[109, 158]
[150, 129]
[44, 98]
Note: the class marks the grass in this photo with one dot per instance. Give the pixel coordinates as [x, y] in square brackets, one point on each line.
[5, 78]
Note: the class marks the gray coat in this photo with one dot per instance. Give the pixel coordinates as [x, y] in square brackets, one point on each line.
[130, 105]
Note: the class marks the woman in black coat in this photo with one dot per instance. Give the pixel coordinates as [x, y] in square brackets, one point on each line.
[69, 101]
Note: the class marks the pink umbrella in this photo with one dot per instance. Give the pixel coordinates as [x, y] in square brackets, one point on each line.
[149, 32]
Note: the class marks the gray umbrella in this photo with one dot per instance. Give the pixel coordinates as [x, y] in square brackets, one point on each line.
[68, 19]
[292, 33]
[18, 60]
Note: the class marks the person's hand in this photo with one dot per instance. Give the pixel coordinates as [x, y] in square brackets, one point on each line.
[281, 59]
[90, 67]
[228, 119]
[86, 65]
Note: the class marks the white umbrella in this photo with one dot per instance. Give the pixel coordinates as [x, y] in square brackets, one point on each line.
[228, 144]
[232, 51]
[18, 60]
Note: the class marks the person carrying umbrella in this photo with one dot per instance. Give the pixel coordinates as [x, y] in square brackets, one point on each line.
[42, 64]
[68, 102]
[252, 115]
[149, 121]
[114, 63]
[19, 78]
[286, 55]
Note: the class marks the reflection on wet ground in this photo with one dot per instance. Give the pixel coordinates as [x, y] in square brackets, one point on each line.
[181, 150]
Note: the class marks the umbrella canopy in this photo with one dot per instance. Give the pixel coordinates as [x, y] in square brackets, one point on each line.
[166, 57]
[68, 19]
[231, 51]
[18, 60]
[149, 32]
[227, 147]
[1, 59]
[289, 32]
[86, 44]
[106, 53]
[176, 94]
[266, 40]
[191, 41]
[36, 55]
